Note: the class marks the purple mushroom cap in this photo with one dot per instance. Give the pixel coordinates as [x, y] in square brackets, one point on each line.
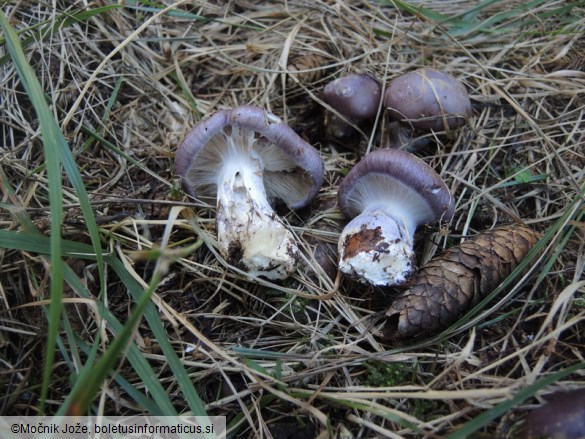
[388, 194]
[399, 177]
[563, 416]
[355, 96]
[293, 169]
[428, 100]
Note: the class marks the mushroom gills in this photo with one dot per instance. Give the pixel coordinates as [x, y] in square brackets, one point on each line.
[246, 158]
[389, 193]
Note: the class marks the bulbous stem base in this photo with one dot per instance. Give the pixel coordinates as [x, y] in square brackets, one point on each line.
[376, 248]
[250, 235]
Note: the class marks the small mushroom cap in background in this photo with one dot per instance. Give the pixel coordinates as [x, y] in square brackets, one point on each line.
[400, 178]
[428, 100]
[355, 96]
[293, 170]
[562, 417]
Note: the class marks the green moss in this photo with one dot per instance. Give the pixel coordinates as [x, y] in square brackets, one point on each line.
[383, 374]
[423, 407]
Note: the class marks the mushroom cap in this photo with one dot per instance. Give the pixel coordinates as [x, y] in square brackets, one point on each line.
[563, 416]
[293, 169]
[398, 180]
[355, 96]
[428, 100]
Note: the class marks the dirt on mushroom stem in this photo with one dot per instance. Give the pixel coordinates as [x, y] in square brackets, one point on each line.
[249, 232]
[244, 156]
[521, 153]
[377, 247]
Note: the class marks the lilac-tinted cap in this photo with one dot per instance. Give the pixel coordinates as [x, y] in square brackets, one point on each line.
[355, 96]
[398, 178]
[268, 126]
[428, 100]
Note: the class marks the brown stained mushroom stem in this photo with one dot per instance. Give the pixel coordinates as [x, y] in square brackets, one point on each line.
[247, 157]
[389, 193]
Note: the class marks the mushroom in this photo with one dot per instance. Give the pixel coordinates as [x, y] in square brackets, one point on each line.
[562, 417]
[425, 100]
[389, 193]
[247, 158]
[356, 97]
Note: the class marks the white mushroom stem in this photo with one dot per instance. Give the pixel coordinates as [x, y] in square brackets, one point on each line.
[248, 230]
[377, 246]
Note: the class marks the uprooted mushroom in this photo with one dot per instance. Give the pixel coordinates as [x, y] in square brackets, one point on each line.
[247, 158]
[389, 193]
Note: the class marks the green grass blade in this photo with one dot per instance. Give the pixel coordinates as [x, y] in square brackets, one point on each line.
[153, 318]
[57, 153]
[150, 405]
[36, 243]
[490, 24]
[85, 204]
[39, 244]
[56, 147]
[429, 14]
[51, 140]
[91, 378]
[70, 353]
[161, 405]
[493, 413]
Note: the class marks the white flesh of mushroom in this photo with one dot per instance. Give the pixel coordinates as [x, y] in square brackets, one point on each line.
[377, 245]
[249, 233]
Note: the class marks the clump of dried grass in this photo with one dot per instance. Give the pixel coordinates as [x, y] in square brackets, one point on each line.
[126, 84]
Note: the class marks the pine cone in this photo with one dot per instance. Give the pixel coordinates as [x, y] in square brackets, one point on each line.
[456, 280]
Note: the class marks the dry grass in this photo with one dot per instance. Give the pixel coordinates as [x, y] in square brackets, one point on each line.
[305, 355]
